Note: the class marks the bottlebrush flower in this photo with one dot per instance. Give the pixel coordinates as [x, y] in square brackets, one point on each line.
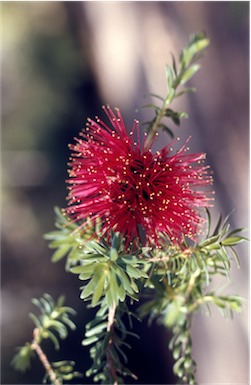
[126, 188]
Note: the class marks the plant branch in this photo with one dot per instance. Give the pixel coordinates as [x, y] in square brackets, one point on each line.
[110, 359]
[111, 317]
[154, 127]
[187, 69]
[43, 358]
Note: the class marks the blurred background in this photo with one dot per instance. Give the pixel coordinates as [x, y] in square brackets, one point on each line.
[61, 61]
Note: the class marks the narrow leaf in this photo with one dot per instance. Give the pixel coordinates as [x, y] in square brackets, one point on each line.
[96, 330]
[90, 340]
[232, 241]
[97, 294]
[189, 73]
[89, 288]
[60, 253]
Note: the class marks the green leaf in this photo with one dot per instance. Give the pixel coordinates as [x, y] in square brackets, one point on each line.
[35, 320]
[134, 272]
[86, 275]
[60, 253]
[47, 303]
[87, 268]
[157, 96]
[58, 326]
[116, 241]
[53, 338]
[93, 257]
[189, 73]
[235, 257]
[123, 278]
[39, 304]
[210, 241]
[90, 287]
[134, 286]
[184, 91]
[178, 367]
[96, 329]
[98, 292]
[213, 246]
[199, 44]
[175, 312]
[60, 303]
[113, 254]
[217, 227]
[117, 288]
[167, 130]
[94, 246]
[22, 360]
[193, 51]
[121, 292]
[177, 351]
[69, 323]
[90, 340]
[169, 77]
[174, 66]
[188, 362]
[109, 297]
[232, 241]
[171, 96]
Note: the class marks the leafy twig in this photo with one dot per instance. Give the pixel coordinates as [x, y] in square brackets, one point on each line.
[110, 359]
[43, 358]
[51, 324]
[177, 76]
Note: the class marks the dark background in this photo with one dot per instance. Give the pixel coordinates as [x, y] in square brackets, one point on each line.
[61, 62]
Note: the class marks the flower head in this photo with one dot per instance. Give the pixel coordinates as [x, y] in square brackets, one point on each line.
[126, 188]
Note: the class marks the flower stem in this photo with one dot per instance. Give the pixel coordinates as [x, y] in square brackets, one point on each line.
[43, 358]
[154, 129]
[188, 374]
[111, 317]
[110, 360]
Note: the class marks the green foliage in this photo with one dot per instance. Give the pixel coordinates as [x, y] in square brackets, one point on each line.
[107, 342]
[181, 347]
[64, 371]
[177, 75]
[52, 323]
[68, 240]
[176, 279]
[112, 274]
[53, 320]
[179, 286]
[22, 360]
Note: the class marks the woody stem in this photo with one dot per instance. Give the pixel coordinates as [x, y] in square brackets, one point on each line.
[110, 327]
[43, 358]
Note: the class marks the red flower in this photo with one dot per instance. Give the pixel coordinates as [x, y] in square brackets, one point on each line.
[127, 189]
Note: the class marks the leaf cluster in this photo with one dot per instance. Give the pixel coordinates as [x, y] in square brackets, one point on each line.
[179, 286]
[181, 347]
[112, 276]
[68, 239]
[181, 274]
[176, 280]
[111, 273]
[107, 351]
[22, 359]
[52, 323]
[64, 371]
[176, 277]
[54, 320]
[177, 75]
